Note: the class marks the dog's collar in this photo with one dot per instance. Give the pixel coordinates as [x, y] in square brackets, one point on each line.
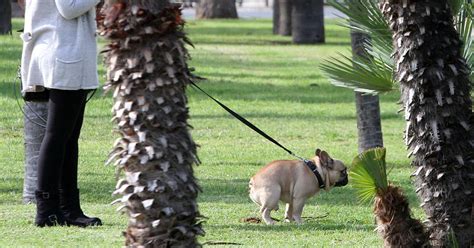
[312, 166]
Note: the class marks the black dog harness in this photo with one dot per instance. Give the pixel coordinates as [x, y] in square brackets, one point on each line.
[315, 171]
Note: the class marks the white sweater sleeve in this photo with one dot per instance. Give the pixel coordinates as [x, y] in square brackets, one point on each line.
[71, 9]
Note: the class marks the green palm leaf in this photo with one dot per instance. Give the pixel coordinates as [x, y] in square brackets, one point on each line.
[369, 173]
[375, 74]
[456, 6]
[363, 16]
[464, 25]
[372, 74]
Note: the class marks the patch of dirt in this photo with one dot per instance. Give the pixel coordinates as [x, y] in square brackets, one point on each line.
[254, 220]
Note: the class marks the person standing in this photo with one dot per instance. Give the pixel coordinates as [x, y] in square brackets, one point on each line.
[60, 58]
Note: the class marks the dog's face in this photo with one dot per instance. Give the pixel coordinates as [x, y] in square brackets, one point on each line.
[337, 171]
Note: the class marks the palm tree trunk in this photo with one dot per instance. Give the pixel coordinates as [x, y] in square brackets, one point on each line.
[368, 121]
[367, 106]
[276, 17]
[308, 21]
[435, 90]
[148, 73]
[394, 221]
[209, 9]
[36, 114]
[5, 17]
[286, 7]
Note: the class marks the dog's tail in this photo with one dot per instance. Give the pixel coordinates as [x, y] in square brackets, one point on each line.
[252, 195]
[250, 186]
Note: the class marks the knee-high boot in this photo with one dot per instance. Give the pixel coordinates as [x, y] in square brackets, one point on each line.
[48, 212]
[71, 209]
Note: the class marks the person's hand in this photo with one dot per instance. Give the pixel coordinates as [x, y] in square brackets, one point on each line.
[21, 3]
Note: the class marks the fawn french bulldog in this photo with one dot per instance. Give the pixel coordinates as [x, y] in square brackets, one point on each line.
[293, 182]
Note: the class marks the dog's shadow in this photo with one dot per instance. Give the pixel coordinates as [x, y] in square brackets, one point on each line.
[311, 223]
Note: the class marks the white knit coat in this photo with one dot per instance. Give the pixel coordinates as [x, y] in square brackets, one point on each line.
[59, 45]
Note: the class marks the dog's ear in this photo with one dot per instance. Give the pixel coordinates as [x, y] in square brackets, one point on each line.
[325, 159]
[318, 151]
[323, 156]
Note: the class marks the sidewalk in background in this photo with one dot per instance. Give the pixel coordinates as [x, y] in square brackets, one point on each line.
[244, 12]
[261, 13]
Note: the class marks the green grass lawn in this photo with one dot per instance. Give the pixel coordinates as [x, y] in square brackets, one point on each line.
[273, 83]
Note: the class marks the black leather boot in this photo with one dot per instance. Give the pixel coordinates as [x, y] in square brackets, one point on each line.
[71, 209]
[48, 212]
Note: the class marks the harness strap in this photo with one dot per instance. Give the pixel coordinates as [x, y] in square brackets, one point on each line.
[315, 171]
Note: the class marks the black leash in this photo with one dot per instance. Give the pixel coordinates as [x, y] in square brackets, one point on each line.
[310, 164]
[248, 123]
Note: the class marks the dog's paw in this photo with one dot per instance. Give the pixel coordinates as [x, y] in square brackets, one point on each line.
[269, 221]
[299, 222]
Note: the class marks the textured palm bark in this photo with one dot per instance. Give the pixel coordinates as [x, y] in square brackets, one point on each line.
[285, 8]
[436, 96]
[5, 17]
[307, 21]
[36, 114]
[369, 125]
[394, 221]
[210, 9]
[276, 17]
[148, 74]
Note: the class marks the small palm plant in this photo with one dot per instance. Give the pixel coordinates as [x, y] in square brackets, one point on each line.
[391, 209]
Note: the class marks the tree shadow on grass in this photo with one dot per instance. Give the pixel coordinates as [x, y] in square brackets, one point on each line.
[227, 90]
[233, 34]
[309, 117]
[307, 226]
[264, 42]
[265, 78]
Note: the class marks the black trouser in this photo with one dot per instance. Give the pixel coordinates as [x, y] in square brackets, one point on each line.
[58, 157]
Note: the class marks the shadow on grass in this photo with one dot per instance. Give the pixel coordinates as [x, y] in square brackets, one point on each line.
[310, 93]
[263, 42]
[264, 78]
[308, 226]
[230, 90]
[313, 117]
[234, 33]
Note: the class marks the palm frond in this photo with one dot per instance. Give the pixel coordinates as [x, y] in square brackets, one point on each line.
[364, 16]
[370, 75]
[464, 25]
[374, 73]
[369, 173]
[378, 47]
[456, 6]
